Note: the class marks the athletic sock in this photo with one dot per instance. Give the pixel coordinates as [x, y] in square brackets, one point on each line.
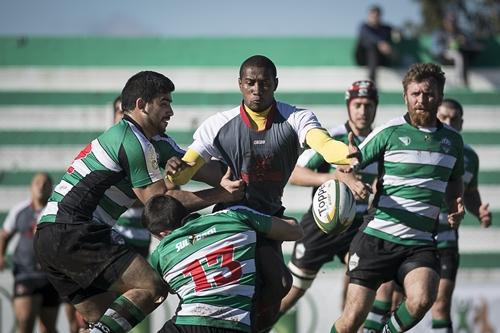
[121, 317]
[441, 326]
[377, 317]
[400, 321]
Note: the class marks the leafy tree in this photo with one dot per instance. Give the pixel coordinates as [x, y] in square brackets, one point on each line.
[480, 17]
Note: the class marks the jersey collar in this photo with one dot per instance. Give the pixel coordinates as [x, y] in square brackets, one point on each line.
[269, 120]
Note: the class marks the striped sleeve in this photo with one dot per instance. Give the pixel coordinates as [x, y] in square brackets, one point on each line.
[205, 135]
[139, 160]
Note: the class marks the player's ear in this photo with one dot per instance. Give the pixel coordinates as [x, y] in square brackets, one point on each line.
[276, 83]
[140, 103]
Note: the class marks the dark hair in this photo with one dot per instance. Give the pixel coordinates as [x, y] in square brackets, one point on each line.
[375, 8]
[146, 85]
[419, 72]
[454, 104]
[163, 212]
[117, 99]
[258, 61]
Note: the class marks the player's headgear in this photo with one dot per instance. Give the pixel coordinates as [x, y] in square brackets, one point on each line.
[363, 88]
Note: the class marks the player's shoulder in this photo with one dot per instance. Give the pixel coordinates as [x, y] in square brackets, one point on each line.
[20, 206]
[287, 110]
[218, 120]
[338, 131]
[388, 127]
[468, 150]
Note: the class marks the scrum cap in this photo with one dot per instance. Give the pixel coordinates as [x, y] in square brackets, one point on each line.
[363, 88]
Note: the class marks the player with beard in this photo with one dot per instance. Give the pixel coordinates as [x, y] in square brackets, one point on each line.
[420, 164]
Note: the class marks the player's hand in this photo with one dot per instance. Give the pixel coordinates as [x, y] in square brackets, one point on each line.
[485, 215]
[359, 189]
[456, 214]
[354, 153]
[175, 165]
[235, 189]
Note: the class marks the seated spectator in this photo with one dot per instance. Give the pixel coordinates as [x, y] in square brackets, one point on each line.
[451, 46]
[374, 46]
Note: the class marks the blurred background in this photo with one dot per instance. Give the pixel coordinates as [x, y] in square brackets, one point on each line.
[62, 63]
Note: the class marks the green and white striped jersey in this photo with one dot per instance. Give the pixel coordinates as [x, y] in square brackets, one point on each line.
[448, 237]
[98, 184]
[210, 264]
[313, 160]
[415, 166]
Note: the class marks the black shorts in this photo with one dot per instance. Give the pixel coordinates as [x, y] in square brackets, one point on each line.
[33, 287]
[373, 261]
[317, 248]
[81, 260]
[171, 327]
[450, 260]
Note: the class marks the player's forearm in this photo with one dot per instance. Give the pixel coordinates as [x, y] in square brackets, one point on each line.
[472, 201]
[285, 229]
[211, 173]
[333, 151]
[194, 201]
[302, 176]
[454, 190]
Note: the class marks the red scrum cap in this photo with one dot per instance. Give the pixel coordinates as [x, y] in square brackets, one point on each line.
[363, 88]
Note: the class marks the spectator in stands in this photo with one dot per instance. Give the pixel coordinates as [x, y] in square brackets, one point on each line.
[374, 46]
[451, 46]
[34, 296]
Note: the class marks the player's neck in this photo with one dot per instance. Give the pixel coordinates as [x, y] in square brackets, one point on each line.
[38, 204]
[359, 132]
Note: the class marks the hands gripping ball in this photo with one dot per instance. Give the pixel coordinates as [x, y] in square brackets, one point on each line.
[333, 207]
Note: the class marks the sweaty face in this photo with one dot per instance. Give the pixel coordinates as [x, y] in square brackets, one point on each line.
[450, 116]
[257, 85]
[422, 100]
[158, 112]
[362, 113]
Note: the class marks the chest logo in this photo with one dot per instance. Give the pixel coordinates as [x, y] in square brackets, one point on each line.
[405, 140]
[259, 142]
[446, 145]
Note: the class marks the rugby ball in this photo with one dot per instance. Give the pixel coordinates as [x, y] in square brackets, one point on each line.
[333, 207]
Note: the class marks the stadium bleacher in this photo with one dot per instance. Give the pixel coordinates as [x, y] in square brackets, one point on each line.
[56, 94]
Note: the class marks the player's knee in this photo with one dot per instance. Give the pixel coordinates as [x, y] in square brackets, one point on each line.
[301, 280]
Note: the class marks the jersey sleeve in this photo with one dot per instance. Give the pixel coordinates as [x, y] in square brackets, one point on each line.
[473, 169]
[458, 169]
[310, 159]
[9, 224]
[204, 137]
[154, 261]
[302, 120]
[139, 160]
[166, 148]
[373, 147]
[258, 221]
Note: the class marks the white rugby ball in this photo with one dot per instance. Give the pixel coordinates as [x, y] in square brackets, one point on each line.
[333, 207]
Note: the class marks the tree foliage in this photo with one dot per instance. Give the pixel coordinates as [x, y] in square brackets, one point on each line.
[479, 17]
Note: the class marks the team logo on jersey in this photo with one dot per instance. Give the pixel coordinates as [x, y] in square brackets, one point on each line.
[259, 142]
[446, 145]
[152, 157]
[353, 261]
[405, 140]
